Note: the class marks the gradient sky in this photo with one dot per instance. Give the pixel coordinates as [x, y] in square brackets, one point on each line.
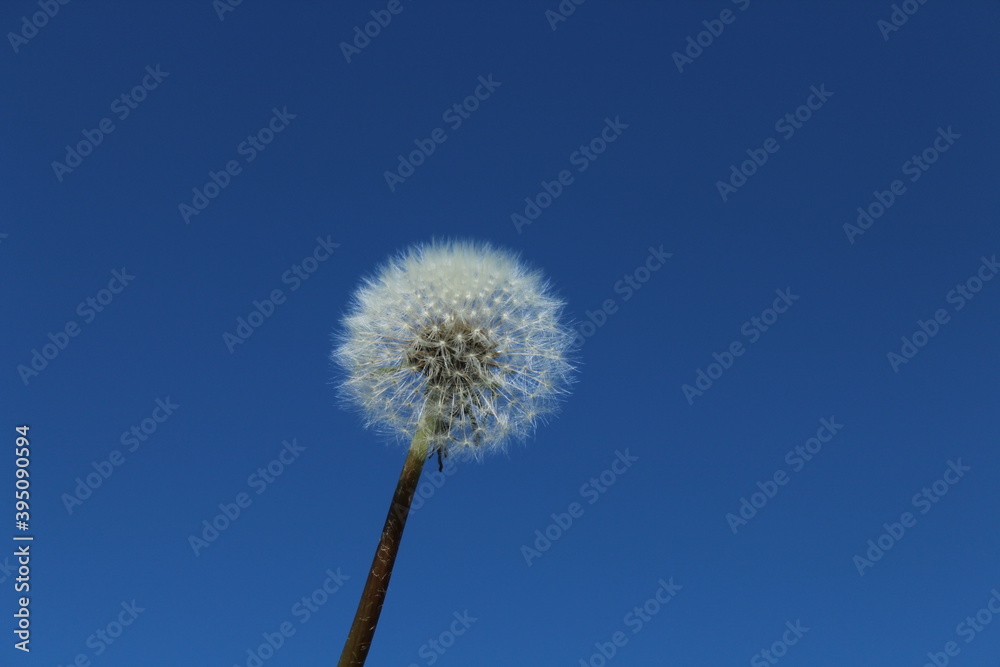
[169, 166]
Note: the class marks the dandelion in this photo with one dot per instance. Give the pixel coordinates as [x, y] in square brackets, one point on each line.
[458, 348]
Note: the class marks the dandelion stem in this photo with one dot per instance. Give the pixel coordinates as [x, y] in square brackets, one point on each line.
[359, 639]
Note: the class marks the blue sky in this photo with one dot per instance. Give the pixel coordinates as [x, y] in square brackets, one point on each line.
[781, 447]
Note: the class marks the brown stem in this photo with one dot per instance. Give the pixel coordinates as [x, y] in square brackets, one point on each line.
[359, 639]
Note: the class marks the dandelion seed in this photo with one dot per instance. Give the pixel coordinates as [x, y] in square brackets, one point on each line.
[460, 334]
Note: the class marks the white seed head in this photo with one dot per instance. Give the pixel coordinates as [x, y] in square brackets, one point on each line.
[459, 336]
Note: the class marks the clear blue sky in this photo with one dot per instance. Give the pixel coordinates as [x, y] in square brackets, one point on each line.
[169, 166]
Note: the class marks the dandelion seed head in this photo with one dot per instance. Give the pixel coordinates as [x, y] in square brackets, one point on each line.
[460, 335]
